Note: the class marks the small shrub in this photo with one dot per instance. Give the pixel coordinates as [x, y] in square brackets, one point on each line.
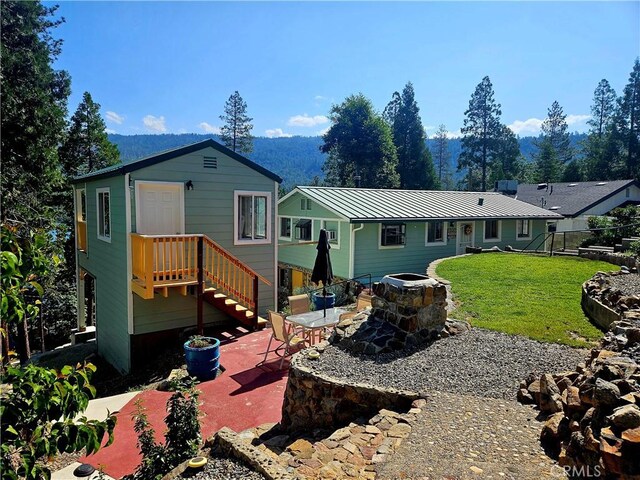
[198, 341]
[634, 248]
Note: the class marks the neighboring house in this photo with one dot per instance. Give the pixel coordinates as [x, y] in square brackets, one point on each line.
[578, 201]
[139, 229]
[391, 231]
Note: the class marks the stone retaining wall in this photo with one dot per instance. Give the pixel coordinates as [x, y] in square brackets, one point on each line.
[314, 400]
[598, 313]
[615, 258]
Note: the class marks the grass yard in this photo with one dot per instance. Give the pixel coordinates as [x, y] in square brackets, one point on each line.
[537, 297]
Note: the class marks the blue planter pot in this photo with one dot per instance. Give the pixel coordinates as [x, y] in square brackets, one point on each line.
[203, 363]
[320, 302]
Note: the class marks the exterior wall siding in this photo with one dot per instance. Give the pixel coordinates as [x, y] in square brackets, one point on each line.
[107, 263]
[209, 209]
[290, 252]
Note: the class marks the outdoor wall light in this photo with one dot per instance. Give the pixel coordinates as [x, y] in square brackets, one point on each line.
[189, 185]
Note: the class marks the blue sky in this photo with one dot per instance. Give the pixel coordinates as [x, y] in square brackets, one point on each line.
[169, 67]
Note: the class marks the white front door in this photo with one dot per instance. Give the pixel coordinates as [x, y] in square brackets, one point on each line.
[160, 208]
[465, 237]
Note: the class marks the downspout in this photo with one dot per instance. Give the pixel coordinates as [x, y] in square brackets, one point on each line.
[127, 207]
[352, 249]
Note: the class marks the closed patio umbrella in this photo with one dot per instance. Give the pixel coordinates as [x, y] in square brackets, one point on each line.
[322, 271]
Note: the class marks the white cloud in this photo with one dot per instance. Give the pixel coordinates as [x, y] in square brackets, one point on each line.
[109, 130]
[320, 98]
[155, 124]
[307, 121]
[573, 119]
[323, 131]
[276, 133]
[114, 117]
[207, 127]
[454, 134]
[429, 127]
[530, 126]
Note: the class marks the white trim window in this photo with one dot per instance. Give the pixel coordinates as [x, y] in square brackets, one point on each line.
[392, 235]
[492, 230]
[103, 204]
[285, 228]
[435, 232]
[304, 229]
[252, 223]
[333, 232]
[523, 229]
[81, 205]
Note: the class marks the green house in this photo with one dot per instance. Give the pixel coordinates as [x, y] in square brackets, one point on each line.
[377, 232]
[181, 239]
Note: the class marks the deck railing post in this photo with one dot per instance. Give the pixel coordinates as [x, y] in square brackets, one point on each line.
[255, 302]
[148, 265]
[200, 286]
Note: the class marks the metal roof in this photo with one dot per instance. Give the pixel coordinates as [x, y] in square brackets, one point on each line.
[375, 205]
[572, 198]
[122, 168]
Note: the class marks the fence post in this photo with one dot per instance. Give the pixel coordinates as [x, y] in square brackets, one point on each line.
[553, 237]
[255, 302]
[200, 286]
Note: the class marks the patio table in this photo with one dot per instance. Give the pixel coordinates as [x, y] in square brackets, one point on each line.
[315, 321]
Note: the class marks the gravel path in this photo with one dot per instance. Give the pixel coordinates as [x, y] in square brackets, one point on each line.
[480, 362]
[627, 284]
[464, 437]
[218, 468]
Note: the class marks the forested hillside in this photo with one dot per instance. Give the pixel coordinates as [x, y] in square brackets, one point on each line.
[296, 159]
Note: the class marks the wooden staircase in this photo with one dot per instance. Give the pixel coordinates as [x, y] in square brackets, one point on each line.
[163, 262]
[232, 308]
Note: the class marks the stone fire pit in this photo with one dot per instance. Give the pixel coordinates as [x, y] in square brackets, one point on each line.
[407, 310]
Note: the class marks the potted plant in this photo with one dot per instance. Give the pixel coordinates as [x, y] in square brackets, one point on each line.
[202, 355]
[320, 301]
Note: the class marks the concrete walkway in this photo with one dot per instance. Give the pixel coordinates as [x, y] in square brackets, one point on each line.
[243, 396]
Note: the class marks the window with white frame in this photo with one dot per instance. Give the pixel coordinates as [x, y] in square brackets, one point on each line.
[492, 230]
[332, 228]
[304, 227]
[305, 204]
[103, 200]
[392, 235]
[285, 228]
[81, 205]
[523, 228]
[252, 217]
[436, 232]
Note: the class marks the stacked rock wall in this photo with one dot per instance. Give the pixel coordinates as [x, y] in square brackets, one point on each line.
[313, 400]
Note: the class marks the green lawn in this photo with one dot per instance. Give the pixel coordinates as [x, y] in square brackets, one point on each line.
[534, 296]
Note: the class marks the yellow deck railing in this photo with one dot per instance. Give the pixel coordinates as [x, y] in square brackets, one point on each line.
[81, 240]
[163, 261]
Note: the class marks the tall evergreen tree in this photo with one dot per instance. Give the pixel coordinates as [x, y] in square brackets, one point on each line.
[480, 132]
[235, 133]
[415, 165]
[555, 130]
[599, 163]
[629, 121]
[34, 107]
[87, 147]
[548, 165]
[441, 156]
[359, 143]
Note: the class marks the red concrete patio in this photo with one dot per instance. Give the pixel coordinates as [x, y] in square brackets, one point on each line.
[242, 397]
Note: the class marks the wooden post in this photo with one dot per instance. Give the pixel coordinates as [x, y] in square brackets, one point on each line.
[255, 302]
[200, 286]
[553, 237]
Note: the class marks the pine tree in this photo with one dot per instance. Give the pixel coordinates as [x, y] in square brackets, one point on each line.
[548, 165]
[87, 147]
[555, 130]
[235, 133]
[34, 107]
[481, 132]
[359, 143]
[415, 165]
[599, 164]
[441, 155]
[629, 121]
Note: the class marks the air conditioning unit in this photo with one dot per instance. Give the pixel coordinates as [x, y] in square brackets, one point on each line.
[332, 235]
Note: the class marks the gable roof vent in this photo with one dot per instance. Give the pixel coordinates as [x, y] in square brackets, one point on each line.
[599, 184]
[554, 208]
[572, 185]
[210, 162]
[542, 186]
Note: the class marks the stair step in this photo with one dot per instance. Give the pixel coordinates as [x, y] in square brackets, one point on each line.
[261, 323]
[219, 295]
[230, 302]
[210, 290]
[240, 308]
